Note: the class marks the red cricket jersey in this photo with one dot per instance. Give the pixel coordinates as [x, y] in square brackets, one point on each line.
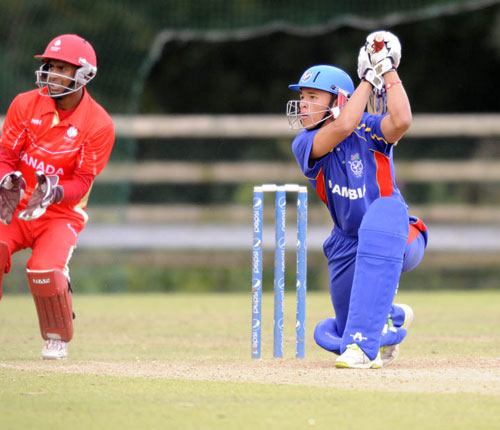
[82, 141]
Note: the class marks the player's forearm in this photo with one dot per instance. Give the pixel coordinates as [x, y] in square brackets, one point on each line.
[398, 104]
[75, 189]
[329, 136]
[9, 160]
[352, 113]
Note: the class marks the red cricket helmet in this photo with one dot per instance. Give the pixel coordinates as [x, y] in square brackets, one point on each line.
[70, 48]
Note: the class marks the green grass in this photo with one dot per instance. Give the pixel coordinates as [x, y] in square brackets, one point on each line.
[138, 337]
[83, 402]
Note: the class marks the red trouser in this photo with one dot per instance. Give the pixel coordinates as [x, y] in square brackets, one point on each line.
[52, 240]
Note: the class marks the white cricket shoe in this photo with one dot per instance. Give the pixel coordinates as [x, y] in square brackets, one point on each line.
[354, 358]
[389, 353]
[55, 349]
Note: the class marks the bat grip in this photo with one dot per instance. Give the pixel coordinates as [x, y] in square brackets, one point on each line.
[378, 42]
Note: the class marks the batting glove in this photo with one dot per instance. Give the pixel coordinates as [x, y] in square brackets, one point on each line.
[46, 192]
[366, 71]
[384, 50]
[12, 188]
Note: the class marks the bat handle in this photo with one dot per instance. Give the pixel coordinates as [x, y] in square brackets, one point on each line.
[378, 42]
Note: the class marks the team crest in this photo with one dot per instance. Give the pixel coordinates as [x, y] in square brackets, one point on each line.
[356, 165]
[57, 45]
[306, 76]
[72, 132]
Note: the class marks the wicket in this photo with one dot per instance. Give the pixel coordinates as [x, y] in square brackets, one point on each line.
[279, 266]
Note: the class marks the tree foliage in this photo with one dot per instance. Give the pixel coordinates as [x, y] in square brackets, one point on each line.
[252, 49]
[448, 65]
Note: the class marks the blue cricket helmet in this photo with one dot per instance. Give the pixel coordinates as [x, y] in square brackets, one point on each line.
[326, 78]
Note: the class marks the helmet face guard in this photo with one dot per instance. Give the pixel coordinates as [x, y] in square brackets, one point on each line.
[295, 117]
[83, 76]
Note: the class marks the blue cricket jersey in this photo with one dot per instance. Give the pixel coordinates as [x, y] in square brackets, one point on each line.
[356, 172]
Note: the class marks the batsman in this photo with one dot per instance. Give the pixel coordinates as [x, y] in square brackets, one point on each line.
[346, 154]
[55, 140]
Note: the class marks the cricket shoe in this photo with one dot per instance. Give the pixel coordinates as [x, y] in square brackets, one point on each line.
[55, 349]
[390, 353]
[354, 358]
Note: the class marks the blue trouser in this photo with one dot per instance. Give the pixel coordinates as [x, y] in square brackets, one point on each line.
[364, 276]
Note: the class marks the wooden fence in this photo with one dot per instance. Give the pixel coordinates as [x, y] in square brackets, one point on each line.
[273, 126]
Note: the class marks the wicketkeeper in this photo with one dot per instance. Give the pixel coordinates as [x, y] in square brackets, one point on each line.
[347, 156]
[55, 140]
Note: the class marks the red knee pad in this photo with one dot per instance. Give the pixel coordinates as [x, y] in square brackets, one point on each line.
[4, 263]
[52, 297]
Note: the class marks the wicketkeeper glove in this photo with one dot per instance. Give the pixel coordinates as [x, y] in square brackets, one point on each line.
[384, 51]
[46, 192]
[12, 188]
[366, 71]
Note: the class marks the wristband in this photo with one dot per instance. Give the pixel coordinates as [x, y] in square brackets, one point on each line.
[389, 85]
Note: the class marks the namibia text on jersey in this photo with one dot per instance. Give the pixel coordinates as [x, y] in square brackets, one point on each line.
[349, 193]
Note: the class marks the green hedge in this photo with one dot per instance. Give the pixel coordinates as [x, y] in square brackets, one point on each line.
[125, 272]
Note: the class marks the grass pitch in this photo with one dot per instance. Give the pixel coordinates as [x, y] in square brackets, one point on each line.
[182, 361]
